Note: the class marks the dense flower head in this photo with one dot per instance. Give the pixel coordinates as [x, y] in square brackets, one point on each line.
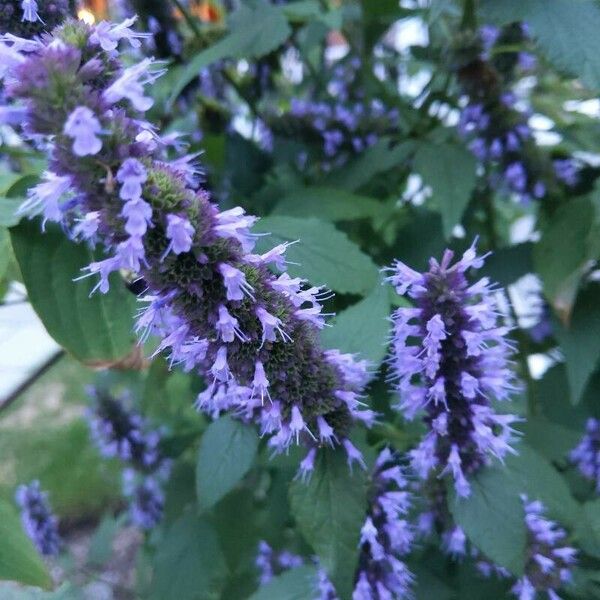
[40, 524]
[28, 18]
[495, 126]
[586, 455]
[549, 560]
[121, 433]
[220, 309]
[146, 499]
[450, 357]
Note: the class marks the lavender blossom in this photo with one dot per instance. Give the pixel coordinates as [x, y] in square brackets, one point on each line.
[586, 456]
[450, 357]
[38, 521]
[270, 563]
[146, 499]
[549, 561]
[123, 434]
[195, 260]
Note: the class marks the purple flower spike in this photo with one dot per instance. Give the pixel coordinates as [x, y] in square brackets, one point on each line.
[450, 356]
[549, 561]
[83, 126]
[219, 309]
[38, 521]
[586, 456]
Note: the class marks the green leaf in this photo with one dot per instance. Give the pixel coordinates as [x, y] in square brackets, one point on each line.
[566, 31]
[256, 29]
[298, 584]
[363, 328]
[569, 241]
[189, 563]
[330, 511]
[493, 518]
[19, 560]
[94, 329]
[13, 190]
[377, 159]
[550, 439]
[324, 255]
[227, 451]
[450, 171]
[507, 265]
[330, 204]
[580, 341]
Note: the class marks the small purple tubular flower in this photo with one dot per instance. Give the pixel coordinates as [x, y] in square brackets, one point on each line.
[30, 10]
[38, 521]
[270, 563]
[566, 170]
[549, 560]
[121, 433]
[586, 455]
[83, 127]
[450, 357]
[234, 317]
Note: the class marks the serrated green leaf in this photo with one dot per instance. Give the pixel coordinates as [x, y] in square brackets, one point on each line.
[325, 255]
[256, 29]
[19, 560]
[363, 328]
[330, 511]
[94, 329]
[580, 340]
[566, 31]
[298, 584]
[227, 451]
[450, 171]
[189, 563]
[568, 243]
[329, 204]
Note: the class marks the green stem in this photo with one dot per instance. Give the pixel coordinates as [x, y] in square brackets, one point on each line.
[188, 18]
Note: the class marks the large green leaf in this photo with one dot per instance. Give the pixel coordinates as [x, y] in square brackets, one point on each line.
[94, 329]
[565, 30]
[324, 255]
[330, 511]
[363, 328]
[377, 159]
[256, 28]
[330, 204]
[450, 171]
[19, 560]
[493, 517]
[297, 584]
[569, 241]
[580, 340]
[189, 563]
[227, 451]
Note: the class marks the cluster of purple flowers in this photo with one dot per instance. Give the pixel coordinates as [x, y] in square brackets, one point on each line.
[586, 456]
[343, 128]
[450, 358]
[385, 538]
[38, 521]
[498, 133]
[234, 316]
[124, 434]
[549, 561]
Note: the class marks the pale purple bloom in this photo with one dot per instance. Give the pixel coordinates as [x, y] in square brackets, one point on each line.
[131, 174]
[235, 282]
[107, 35]
[130, 85]
[516, 177]
[40, 525]
[586, 456]
[566, 170]
[450, 356]
[30, 11]
[45, 197]
[146, 500]
[138, 215]
[82, 126]
[180, 232]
